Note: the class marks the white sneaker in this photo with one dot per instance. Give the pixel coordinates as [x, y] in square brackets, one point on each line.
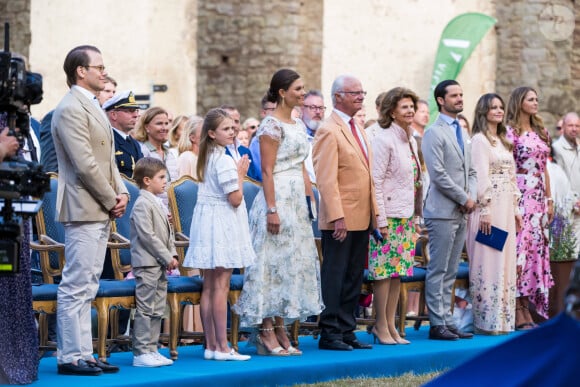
[231, 355]
[147, 360]
[208, 354]
[162, 358]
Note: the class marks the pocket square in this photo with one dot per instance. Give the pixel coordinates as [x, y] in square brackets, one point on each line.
[496, 239]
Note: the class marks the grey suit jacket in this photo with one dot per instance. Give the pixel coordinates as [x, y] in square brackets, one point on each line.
[88, 180]
[152, 239]
[453, 179]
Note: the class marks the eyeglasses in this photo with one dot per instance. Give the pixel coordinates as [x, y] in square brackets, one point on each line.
[99, 68]
[314, 107]
[354, 93]
[270, 109]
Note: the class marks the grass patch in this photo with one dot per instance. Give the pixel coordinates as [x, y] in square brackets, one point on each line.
[406, 380]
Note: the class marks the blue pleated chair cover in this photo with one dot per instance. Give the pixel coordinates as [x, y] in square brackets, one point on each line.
[54, 229]
[184, 192]
[124, 223]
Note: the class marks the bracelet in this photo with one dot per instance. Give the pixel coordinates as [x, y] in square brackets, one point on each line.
[550, 200]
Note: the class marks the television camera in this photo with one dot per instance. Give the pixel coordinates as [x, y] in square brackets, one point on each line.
[19, 178]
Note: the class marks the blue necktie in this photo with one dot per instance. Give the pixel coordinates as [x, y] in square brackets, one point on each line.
[458, 134]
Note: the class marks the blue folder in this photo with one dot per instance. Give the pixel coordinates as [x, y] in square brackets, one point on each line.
[496, 239]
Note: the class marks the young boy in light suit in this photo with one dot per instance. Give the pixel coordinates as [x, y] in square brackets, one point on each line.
[152, 253]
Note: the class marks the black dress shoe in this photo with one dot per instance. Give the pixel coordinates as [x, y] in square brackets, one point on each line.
[105, 366]
[334, 345]
[460, 334]
[440, 332]
[81, 368]
[357, 344]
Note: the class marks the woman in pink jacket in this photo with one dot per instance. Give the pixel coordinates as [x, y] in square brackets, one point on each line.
[397, 175]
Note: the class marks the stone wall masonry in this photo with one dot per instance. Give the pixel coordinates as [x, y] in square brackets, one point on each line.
[242, 43]
[17, 13]
[527, 56]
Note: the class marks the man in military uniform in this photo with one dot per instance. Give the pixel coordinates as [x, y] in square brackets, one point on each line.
[123, 113]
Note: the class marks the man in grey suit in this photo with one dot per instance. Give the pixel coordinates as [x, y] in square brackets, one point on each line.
[90, 194]
[451, 196]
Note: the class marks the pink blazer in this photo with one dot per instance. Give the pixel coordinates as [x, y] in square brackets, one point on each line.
[392, 172]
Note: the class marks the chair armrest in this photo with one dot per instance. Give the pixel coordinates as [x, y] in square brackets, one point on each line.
[423, 261]
[46, 243]
[44, 246]
[118, 241]
[179, 236]
[181, 240]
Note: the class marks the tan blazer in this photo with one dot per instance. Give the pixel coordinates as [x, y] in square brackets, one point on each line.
[152, 239]
[88, 180]
[343, 177]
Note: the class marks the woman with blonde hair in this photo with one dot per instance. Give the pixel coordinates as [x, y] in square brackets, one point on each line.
[188, 147]
[152, 130]
[179, 123]
[531, 151]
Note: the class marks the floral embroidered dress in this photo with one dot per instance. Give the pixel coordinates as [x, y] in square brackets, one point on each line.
[219, 235]
[534, 278]
[396, 255]
[492, 273]
[285, 279]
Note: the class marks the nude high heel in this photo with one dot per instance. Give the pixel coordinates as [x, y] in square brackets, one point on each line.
[377, 338]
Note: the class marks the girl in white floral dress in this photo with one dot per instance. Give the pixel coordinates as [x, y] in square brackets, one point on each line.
[219, 237]
[284, 283]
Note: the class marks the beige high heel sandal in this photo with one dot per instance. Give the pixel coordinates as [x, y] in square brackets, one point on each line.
[292, 351]
[264, 351]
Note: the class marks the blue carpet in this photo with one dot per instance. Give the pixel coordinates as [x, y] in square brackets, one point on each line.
[421, 356]
[546, 356]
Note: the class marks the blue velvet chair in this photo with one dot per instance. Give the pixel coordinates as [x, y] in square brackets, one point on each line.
[119, 240]
[182, 195]
[461, 278]
[44, 304]
[181, 291]
[50, 243]
[415, 282]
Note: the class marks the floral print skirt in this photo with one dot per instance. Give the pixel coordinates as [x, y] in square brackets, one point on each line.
[395, 256]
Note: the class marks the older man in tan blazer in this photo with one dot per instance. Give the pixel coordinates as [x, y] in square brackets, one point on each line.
[90, 193]
[341, 156]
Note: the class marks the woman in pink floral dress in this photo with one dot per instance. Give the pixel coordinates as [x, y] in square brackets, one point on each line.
[492, 273]
[397, 175]
[531, 150]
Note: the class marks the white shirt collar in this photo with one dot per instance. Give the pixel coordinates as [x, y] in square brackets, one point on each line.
[120, 133]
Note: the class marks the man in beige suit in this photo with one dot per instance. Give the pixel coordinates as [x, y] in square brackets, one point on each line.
[341, 156]
[90, 193]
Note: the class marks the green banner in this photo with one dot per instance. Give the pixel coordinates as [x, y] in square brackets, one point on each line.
[458, 40]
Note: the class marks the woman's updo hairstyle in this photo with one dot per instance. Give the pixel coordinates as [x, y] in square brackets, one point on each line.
[281, 80]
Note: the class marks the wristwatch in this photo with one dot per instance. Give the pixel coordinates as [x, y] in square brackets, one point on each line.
[272, 210]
